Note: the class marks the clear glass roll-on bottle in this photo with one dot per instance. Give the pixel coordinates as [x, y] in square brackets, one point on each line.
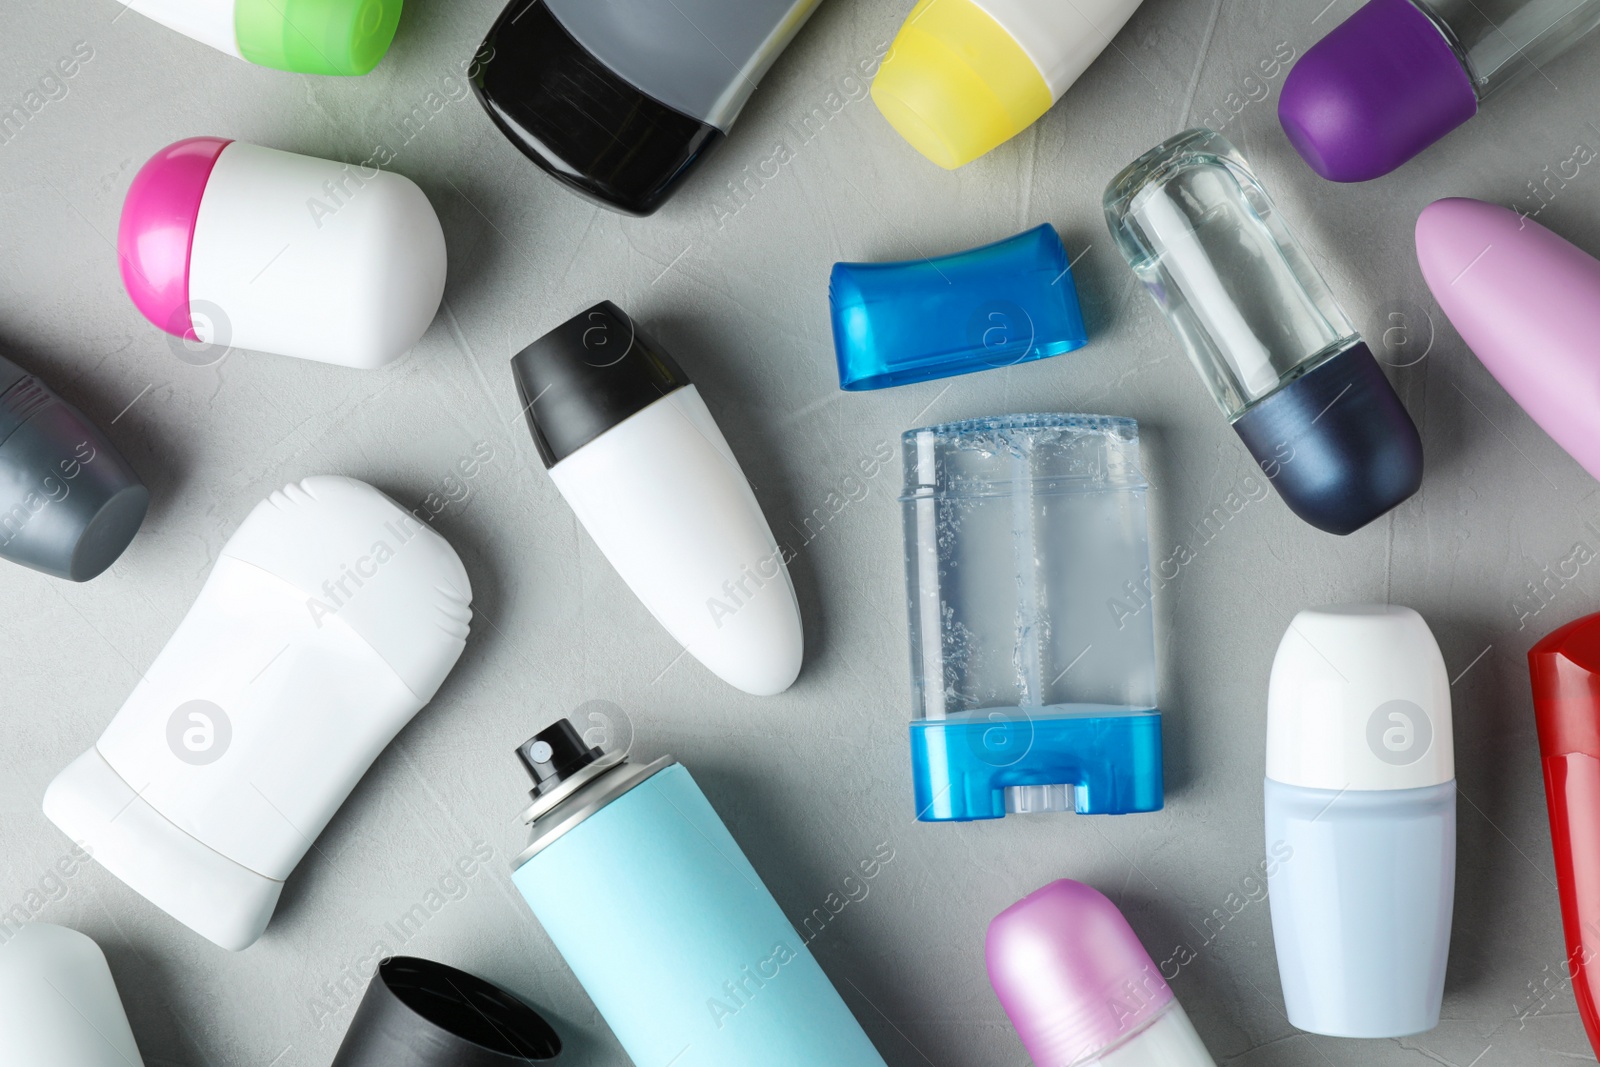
[1282, 361]
[1398, 75]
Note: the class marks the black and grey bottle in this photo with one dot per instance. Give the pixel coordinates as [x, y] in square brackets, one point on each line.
[69, 502]
[619, 99]
[1301, 388]
[418, 1013]
[637, 455]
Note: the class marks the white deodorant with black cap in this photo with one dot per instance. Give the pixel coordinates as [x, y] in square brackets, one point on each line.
[637, 455]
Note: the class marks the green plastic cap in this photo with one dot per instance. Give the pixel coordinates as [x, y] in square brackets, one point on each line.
[316, 36]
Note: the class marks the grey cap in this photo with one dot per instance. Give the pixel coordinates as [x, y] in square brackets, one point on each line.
[69, 502]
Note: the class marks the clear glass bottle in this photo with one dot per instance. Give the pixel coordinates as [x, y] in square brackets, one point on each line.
[1032, 643]
[1500, 41]
[1283, 362]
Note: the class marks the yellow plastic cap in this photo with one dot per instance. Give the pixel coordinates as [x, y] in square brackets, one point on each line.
[956, 84]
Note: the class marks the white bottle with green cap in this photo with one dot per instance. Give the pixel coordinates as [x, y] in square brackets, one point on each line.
[303, 36]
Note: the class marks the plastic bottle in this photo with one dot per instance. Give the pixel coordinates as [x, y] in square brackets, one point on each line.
[1361, 809]
[331, 617]
[1398, 75]
[965, 76]
[303, 36]
[621, 99]
[1033, 660]
[637, 455]
[233, 244]
[58, 1003]
[1080, 988]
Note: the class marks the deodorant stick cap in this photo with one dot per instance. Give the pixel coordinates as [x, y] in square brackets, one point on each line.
[58, 1004]
[956, 84]
[1071, 973]
[69, 503]
[353, 551]
[1359, 699]
[587, 375]
[346, 37]
[1380, 88]
[417, 1013]
[156, 231]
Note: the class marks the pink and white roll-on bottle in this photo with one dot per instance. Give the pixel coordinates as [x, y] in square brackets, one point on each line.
[233, 244]
[1080, 988]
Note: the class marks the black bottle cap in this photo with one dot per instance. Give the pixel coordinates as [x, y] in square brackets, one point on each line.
[587, 375]
[578, 120]
[555, 754]
[417, 1013]
[1336, 443]
[69, 503]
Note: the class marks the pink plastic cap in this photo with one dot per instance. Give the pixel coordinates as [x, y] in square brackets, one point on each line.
[1527, 302]
[1071, 973]
[157, 230]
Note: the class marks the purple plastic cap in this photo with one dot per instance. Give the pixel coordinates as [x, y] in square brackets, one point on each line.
[1384, 85]
[156, 232]
[1071, 973]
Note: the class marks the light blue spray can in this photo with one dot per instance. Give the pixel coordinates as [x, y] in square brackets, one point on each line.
[664, 921]
[1361, 815]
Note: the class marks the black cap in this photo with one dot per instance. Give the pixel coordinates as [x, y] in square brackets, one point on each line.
[555, 754]
[69, 503]
[578, 119]
[417, 1013]
[1336, 443]
[587, 375]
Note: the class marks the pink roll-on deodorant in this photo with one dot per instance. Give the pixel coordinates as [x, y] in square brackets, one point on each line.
[1080, 988]
[233, 244]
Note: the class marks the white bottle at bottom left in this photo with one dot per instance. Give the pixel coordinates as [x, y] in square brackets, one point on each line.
[331, 617]
[58, 1004]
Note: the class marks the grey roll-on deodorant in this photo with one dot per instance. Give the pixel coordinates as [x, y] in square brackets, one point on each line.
[69, 503]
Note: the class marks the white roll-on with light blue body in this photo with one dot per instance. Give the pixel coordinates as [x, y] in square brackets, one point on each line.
[1361, 799]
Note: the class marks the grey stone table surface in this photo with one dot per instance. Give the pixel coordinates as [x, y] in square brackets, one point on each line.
[732, 277]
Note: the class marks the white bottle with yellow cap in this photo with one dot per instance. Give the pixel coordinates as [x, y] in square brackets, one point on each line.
[965, 76]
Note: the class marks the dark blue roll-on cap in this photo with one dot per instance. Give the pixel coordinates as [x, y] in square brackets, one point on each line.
[995, 306]
[1336, 442]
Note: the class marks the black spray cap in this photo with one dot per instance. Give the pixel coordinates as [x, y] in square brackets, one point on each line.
[581, 122]
[417, 1013]
[69, 502]
[1336, 443]
[555, 754]
[587, 375]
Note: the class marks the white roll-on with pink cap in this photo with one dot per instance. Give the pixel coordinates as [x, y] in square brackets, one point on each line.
[233, 244]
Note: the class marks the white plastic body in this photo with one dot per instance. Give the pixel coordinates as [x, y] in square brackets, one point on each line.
[315, 259]
[58, 1004]
[665, 500]
[1348, 686]
[330, 619]
[207, 21]
[1062, 38]
[1169, 1041]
